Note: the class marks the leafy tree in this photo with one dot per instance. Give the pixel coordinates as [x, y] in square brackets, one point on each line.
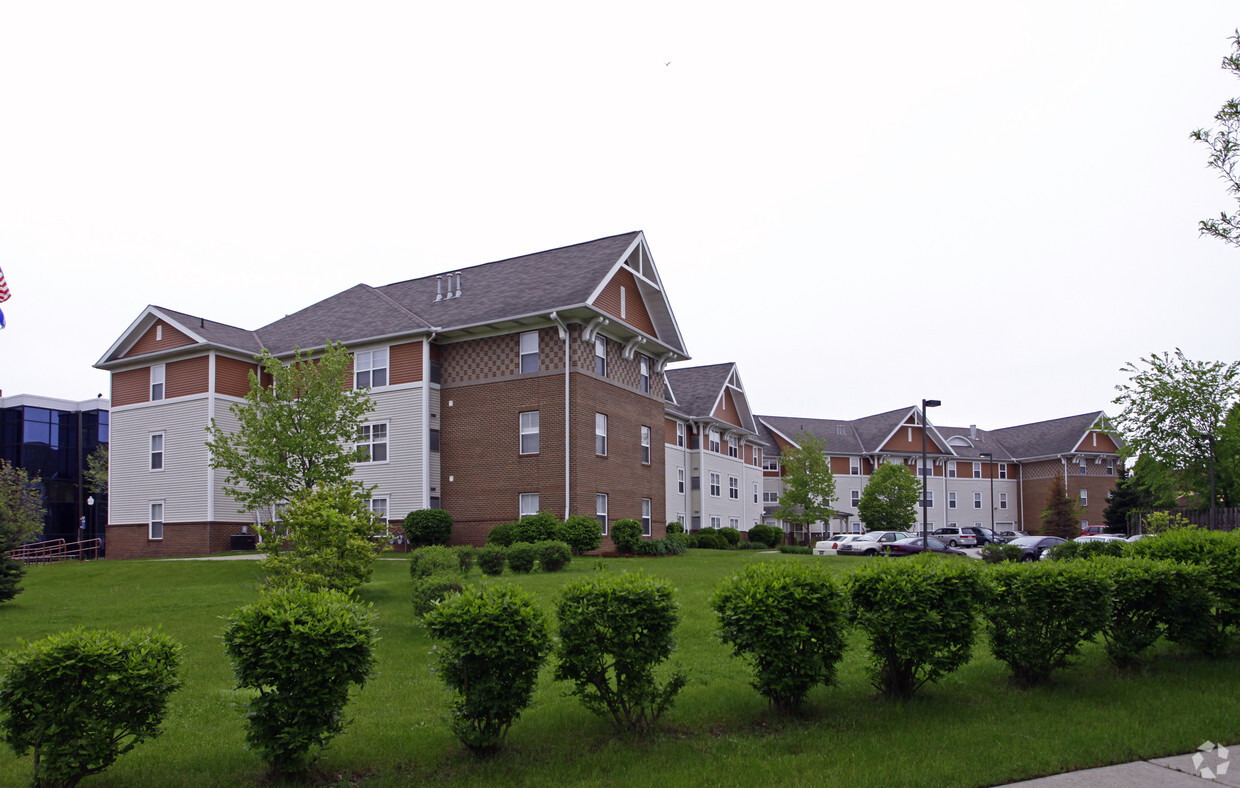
[1224, 144]
[1125, 498]
[21, 520]
[1062, 516]
[889, 502]
[809, 486]
[97, 470]
[331, 539]
[1227, 459]
[296, 434]
[1170, 404]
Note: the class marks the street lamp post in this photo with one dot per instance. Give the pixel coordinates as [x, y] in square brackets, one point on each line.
[1210, 438]
[925, 514]
[990, 470]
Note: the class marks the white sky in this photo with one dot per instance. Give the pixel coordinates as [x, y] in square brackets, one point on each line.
[863, 204]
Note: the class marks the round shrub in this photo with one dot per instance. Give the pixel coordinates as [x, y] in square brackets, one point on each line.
[502, 535]
[434, 588]
[521, 557]
[709, 539]
[81, 699]
[675, 527]
[626, 535]
[732, 535]
[998, 553]
[1152, 598]
[433, 559]
[552, 555]
[427, 527]
[466, 554]
[767, 535]
[581, 533]
[536, 528]
[788, 619]
[492, 559]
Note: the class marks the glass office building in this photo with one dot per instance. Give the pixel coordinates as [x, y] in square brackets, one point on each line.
[51, 439]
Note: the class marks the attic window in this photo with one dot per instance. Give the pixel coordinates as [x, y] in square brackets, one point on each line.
[623, 308]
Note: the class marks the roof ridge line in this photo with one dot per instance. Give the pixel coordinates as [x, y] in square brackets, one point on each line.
[425, 323]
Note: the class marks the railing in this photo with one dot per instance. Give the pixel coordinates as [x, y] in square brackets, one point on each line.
[56, 550]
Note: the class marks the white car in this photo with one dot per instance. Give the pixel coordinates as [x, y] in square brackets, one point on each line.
[871, 543]
[1100, 538]
[831, 546]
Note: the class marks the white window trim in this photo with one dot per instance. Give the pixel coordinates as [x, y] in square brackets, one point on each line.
[1084, 497]
[951, 499]
[151, 520]
[600, 431]
[977, 500]
[734, 488]
[680, 481]
[523, 431]
[600, 510]
[645, 443]
[1003, 470]
[370, 505]
[977, 470]
[712, 442]
[521, 501]
[1003, 500]
[162, 452]
[716, 484]
[158, 378]
[371, 367]
[523, 351]
[680, 434]
[600, 344]
[644, 373]
[647, 521]
[951, 469]
[371, 443]
[755, 492]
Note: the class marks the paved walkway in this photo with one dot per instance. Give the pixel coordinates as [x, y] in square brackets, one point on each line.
[1178, 771]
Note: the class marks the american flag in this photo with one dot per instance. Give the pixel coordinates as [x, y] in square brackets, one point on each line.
[4, 289]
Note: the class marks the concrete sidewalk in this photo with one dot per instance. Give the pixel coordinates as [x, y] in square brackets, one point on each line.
[1177, 771]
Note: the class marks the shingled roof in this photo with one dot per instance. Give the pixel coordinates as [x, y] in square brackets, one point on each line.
[1047, 438]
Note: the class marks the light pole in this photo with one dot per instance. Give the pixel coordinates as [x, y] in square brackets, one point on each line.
[990, 470]
[1210, 437]
[925, 514]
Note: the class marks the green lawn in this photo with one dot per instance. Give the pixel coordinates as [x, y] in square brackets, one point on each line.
[971, 729]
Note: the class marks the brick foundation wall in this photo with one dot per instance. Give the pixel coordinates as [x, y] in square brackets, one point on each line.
[181, 540]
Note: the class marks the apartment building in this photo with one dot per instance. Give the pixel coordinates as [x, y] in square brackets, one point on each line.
[534, 383]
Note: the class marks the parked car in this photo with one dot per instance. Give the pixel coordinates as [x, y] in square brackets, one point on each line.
[984, 536]
[955, 537]
[871, 543]
[1137, 537]
[917, 545]
[831, 546]
[1100, 538]
[1008, 536]
[1093, 529]
[1032, 548]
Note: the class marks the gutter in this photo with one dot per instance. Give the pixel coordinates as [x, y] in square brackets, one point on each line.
[568, 366]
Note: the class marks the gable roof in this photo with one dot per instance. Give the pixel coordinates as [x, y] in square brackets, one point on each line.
[1048, 438]
[696, 392]
[826, 430]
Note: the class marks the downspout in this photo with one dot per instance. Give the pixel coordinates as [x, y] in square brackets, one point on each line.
[426, 422]
[210, 418]
[568, 365]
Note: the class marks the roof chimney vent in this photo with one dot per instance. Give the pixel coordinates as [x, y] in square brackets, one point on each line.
[973, 431]
[439, 287]
[458, 284]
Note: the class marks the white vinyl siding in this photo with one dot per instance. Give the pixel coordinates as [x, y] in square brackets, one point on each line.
[401, 475]
[182, 484]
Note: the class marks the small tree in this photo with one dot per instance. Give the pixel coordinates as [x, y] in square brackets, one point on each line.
[1224, 144]
[427, 527]
[21, 520]
[97, 470]
[81, 699]
[889, 501]
[1062, 516]
[332, 539]
[809, 486]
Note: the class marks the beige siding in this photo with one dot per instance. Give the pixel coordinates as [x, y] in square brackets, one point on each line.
[182, 484]
[400, 478]
[226, 507]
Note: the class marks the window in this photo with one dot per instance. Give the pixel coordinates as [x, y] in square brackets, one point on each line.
[716, 522]
[372, 442]
[770, 497]
[528, 505]
[755, 492]
[770, 465]
[733, 448]
[157, 451]
[951, 500]
[714, 441]
[436, 371]
[155, 528]
[977, 500]
[370, 369]
[714, 485]
[600, 507]
[600, 355]
[1110, 467]
[856, 498]
[977, 470]
[157, 384]
[680, 434]
[1003, 470]
[930, 498]
[951, 469]
[680, 481]
[1084, 466]
[433, 436]
[529, 351]
[734, 522]
[757, 456]
[645, 375]
[379, 508]
[645, 445]
[645, 517]
[529, 432]
[854, 466]
[600, 434]
[927, 469]
[1084, 497]
[734, 488]
[1002, 500]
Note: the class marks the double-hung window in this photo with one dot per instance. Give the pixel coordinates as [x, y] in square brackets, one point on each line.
[734, 488]
[529, 432]
[930, 498]
[951, 469]
[600, 434]
[379, 508]
[733, 447]
[714, 441]
[977, 470]
[755, 492]
[157, 382]
[680, 481]
[155, 527]
[977, 500]
[372, 442]
[600, 356]
[645, 517]
[680, 434]
[529, 351]
[157, 451]
[600, 508]
[370, 368]
[855, 498]
[854, 466]
[645, 375]
[951, 500]
[527, 505]
[1003, 470]
[645, 445]
[1002, 500]
[714, 485]
[1084, 497]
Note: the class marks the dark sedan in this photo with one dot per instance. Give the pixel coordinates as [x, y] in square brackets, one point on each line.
[1032, 547]
[917, 545]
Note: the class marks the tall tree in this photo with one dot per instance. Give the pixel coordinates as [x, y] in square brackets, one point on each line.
[21, 520]
[1170, 405]
[889, 502]
[1126, 498]
[1062, 516]
[1224, 143]
[809, 486]
[297, 434]
[97, 470]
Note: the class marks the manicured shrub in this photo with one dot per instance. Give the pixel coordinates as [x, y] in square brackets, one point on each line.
[919, 616]
[535, 528]
[677, 543]
[521, 557]
[710, 539]
[788, 620]
[1071, 550]
[675, 527]
[1148, 597]
[674, 544]
[614, 631]
[435, 587]
[793, 549]
[767, 535]
[581, 533]
[552, 555]
[492, 559]
[433, 559]
[732, 535]
[331, 539]
[427, 527]
[496, 641]
[626, 535]
[467, 554]
[998, 553]
[81, 699]
[752, 546]
[502, 535]
[1219, 553]
[1039, 613]
[301, 650]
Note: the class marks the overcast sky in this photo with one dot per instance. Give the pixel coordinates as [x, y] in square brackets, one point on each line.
[862, 204]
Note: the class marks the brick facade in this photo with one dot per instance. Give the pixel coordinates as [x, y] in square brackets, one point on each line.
[181, 540]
